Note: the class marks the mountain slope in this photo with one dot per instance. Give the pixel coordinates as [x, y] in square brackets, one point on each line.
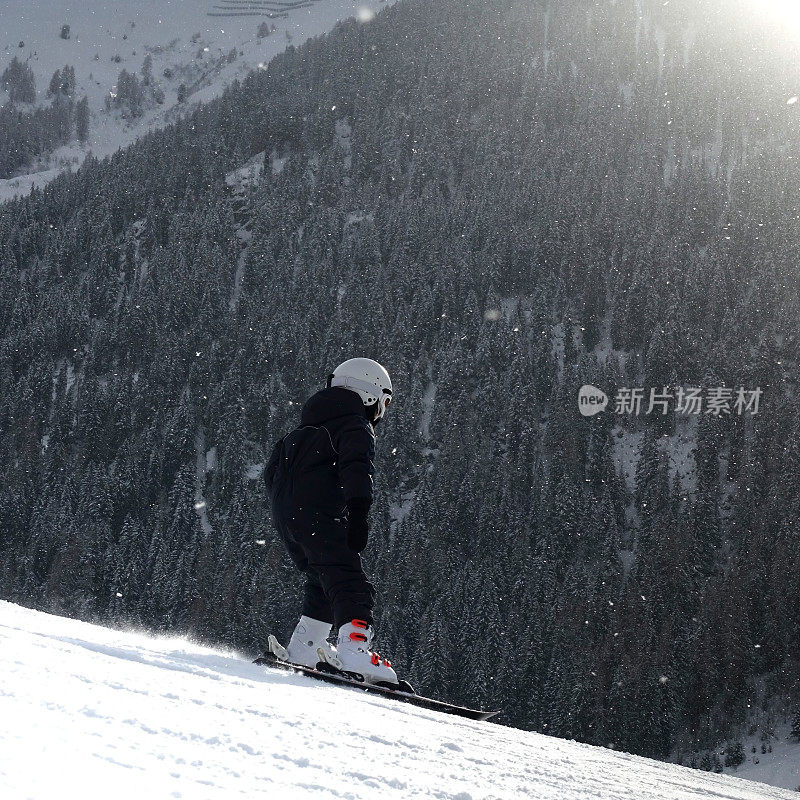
[778, 766]
[490, 216]
[195, 43]
[116, 710]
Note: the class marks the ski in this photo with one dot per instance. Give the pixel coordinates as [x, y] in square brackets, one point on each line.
[271, 660]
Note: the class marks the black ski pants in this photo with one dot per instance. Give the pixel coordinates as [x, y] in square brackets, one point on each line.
[337, 589]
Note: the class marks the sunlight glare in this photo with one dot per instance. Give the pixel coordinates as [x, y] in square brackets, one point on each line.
[784, 13]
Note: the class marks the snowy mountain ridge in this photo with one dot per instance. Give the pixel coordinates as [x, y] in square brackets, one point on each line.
[89, 711]
[200, 45]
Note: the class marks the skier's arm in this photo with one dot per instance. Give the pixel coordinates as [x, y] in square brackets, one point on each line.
[355, 448]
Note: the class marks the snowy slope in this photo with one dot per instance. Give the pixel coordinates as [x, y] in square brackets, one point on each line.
[781, 767]
[189, 39]
[89, 712]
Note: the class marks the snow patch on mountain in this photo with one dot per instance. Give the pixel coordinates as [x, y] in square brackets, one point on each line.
[777, 763]
[200, 45]
[246, 176]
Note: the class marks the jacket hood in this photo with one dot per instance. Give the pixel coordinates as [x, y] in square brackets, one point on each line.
[329, 404]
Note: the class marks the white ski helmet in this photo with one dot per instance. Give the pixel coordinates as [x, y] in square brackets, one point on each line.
[368, 379]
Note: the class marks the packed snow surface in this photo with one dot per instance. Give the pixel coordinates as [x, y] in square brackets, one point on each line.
[203, 44]
[89, 712]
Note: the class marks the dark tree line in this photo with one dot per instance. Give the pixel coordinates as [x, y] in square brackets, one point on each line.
[18, 80]
[132, 93]
[26, 134]
[530, 199]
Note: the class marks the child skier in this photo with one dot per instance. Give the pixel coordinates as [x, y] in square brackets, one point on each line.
[319, 479]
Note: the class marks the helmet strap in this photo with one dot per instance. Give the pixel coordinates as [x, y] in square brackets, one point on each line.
[372, 412]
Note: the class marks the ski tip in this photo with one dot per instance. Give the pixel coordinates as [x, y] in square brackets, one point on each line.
[266, 659]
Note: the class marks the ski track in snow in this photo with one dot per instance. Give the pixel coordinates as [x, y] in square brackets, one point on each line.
[89, 712]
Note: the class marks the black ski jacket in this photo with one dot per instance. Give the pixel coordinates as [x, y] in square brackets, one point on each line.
[326, 461]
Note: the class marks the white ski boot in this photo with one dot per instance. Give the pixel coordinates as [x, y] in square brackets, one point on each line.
[356, 657]
[308, 646]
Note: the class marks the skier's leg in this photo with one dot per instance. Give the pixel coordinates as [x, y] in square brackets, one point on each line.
[341, 574]
[314, 626]
[282, 518]
[349, 592]
[347, 587]
[316, 607]
[315, 602]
